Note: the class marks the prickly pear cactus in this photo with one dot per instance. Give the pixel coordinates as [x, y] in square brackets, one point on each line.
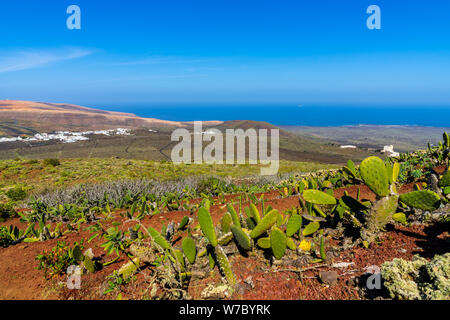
[234, 215]
[278, 243]
[311, 228]
[207, 226]
[158, 238]
[318, 197]
[77, 254]
[189, 249]
[293, 225]
[226, 222]
[265, 224]
[422, 199]
[225, 239]
[254, 213]
[381, 213]
[445, 180]
[264, 243]
[129, 268]
[374, 174]
[241, 238]
[89, 264]
[224, 265]
[291, 244]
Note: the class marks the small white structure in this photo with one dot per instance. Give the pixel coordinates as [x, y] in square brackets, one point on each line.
[67, 136]
[389, 150]
[348, 147]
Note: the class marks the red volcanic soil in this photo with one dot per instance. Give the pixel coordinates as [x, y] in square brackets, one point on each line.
[257, 278]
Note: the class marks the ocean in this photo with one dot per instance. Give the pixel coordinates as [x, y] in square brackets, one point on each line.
[299, 116]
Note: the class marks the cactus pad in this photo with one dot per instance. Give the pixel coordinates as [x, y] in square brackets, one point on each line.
[189, 249]
[224, 265]
[311, 228]
[226, 222]
[374, 174]
[278, 243]
[265, 224]
[445, 180]
[207, 226]
[241, 238]
[422, 199]
[264, 243]
[293, 225]
[318, 197]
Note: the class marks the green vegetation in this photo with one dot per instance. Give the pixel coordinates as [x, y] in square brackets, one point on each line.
[36, 177]
[202, 238]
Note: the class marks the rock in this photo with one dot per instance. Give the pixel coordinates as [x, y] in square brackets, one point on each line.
[249, 281]
[89, 253]
[328, 277]
[342, 264]
[215, 292]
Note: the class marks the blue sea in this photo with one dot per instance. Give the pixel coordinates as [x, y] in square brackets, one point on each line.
[298, 116]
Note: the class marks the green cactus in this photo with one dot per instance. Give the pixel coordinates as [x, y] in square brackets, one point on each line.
[225, 239]
[374, 174]
[224, 265]
[265, 224]
[77, 254]
[311, 228]
[318, 197]
[226, 222]
[351, 204]
[278, 243]
[159, 239]
[264, 243]
[129, 268]
[241, 238]
[180, 259]
[423, 199]
[189, 249]
[234, 215]
[446, 140]
[395, 171]
[389, 172]
[207, 226]
[293, 225]
[89, 264]
[183, 223]
[445, 180]
[381, 213]
[291, 244]
[323, 254]
[254, 213]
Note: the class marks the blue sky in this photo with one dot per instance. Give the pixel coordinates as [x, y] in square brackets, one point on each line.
[226, 52]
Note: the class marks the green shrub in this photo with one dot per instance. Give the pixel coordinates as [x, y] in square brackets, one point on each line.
[5, 237]
[56, 261]
[52, 162]
[16, 194]
[6, 211]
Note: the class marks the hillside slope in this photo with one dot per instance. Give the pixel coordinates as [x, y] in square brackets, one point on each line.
[20, 116]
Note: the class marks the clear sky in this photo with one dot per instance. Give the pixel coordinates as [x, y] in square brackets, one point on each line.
[194, 52]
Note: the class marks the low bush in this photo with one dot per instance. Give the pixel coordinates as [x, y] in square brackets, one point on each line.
[16, 194]
[52, 162]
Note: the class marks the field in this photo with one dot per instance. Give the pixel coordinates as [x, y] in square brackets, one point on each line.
[403, 138]
[138, 229]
